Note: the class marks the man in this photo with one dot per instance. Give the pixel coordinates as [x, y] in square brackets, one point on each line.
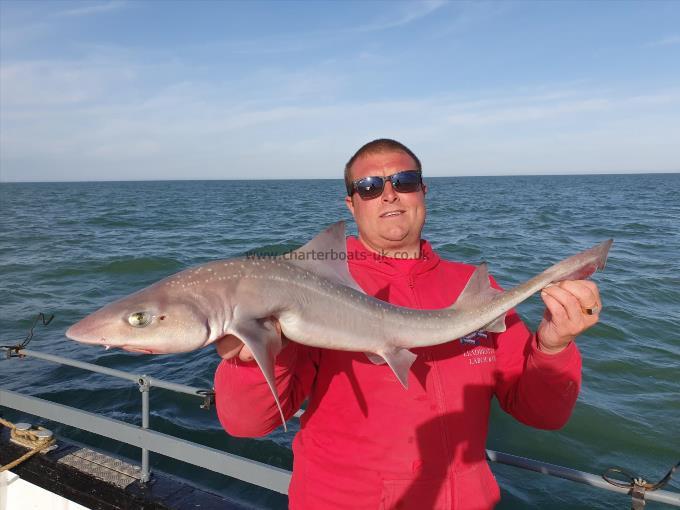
[365, 442]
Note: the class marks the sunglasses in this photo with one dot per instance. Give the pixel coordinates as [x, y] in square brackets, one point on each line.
[406, 181]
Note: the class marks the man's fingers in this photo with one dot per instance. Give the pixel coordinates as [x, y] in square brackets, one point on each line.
[245, 354]
[574, 298]
[566, 317]
[229, 346]
[585, 291]
[555, 308]
[569, 304]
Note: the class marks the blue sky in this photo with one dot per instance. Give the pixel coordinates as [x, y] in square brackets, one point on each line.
[117, 90]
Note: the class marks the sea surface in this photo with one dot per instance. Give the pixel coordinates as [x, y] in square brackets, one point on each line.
[68, 248]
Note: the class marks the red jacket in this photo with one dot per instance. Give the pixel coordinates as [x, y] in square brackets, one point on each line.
[367, 443]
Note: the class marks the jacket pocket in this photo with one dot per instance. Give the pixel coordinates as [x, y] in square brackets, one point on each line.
[416, 494]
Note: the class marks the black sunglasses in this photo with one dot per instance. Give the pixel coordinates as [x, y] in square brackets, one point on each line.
[406, 181]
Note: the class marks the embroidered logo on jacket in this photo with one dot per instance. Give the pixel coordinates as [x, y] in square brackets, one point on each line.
[478, 348]
[473, 338]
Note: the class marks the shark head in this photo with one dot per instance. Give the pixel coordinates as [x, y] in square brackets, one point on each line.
[155, 320]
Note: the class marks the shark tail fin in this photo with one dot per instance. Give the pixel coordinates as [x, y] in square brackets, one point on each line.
[597, 257]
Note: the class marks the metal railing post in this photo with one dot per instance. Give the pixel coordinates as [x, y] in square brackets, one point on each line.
[144, 388]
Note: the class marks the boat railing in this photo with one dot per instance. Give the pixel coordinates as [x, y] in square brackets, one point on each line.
[254, 472]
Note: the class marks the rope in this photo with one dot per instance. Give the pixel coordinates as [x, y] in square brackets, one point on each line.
[637, 485]
[13, 350]
[633, 480]
[28, 439]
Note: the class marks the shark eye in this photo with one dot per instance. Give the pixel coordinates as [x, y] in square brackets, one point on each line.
[139, 319]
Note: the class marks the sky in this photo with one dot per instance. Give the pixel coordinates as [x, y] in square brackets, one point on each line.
[147, 90]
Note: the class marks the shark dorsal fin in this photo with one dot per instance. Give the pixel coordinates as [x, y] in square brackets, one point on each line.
[326, 256]
[477, 292]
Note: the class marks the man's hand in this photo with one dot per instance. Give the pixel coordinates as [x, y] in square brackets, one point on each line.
[229, 346]
[566, 316]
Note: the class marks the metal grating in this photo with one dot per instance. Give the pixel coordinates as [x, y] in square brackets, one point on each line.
[109, 469]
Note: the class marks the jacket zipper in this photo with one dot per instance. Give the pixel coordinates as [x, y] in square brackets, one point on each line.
[446, 443]
[412, 286]
[441, 406]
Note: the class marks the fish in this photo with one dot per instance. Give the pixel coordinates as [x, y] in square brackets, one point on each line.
[316, 302]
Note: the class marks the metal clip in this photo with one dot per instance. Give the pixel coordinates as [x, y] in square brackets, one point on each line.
[13, 350]
[144, 384]
[208, 398]
[637, 492]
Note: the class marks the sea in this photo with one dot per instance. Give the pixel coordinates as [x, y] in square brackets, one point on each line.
[68, 248]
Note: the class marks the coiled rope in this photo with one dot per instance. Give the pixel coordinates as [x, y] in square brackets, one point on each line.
[28, 439]
[637, 485]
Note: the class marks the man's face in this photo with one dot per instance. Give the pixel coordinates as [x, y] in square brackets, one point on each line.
[393, 221]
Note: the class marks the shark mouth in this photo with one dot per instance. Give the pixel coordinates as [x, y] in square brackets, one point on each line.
[136, 349]
[130, 349]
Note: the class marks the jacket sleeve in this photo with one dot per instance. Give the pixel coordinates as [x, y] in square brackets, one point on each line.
[536, 388]
[246, 406]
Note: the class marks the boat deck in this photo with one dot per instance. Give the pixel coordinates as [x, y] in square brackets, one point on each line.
[97, 481]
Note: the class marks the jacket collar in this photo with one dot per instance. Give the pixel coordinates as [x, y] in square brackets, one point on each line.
[359, 255]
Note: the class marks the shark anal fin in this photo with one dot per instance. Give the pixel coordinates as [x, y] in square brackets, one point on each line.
[496, 326]
[264, 341]
[399, 360]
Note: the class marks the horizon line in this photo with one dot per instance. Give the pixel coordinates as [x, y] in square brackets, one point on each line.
[578, 174]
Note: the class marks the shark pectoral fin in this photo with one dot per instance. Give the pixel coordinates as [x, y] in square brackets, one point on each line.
[264, 341]
[400, 361]
[496, 326]
[477, 291]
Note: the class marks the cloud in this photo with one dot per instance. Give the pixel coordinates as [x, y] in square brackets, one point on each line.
[45, 84]
[670, 40]
[121, 115]
[402, 13]
[94, 8]
[22, 35]
[520, 113]
[471, 16]
[23, 24]
[410, 12]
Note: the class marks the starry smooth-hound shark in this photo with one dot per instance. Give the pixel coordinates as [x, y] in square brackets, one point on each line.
[312, 295]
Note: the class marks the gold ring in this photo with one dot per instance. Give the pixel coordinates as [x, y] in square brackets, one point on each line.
[592, 310]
